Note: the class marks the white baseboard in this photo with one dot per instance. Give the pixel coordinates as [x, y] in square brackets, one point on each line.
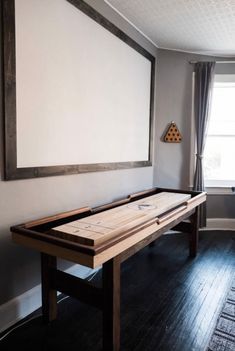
[26, 303]
[220, 224]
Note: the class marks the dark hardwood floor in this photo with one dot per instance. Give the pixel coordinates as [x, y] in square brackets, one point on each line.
[169, 302]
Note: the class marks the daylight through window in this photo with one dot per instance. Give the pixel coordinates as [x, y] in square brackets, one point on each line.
[219, 160]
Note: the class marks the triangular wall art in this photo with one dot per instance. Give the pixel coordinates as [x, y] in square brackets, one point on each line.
[172, 134]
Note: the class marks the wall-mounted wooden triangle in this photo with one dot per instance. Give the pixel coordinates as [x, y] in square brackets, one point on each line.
[172, 134]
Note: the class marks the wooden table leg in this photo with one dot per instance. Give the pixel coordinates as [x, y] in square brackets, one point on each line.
[49, 296]
[193, 237]
[111, 306]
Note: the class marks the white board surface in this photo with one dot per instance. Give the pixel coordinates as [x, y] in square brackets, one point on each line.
[82, 94]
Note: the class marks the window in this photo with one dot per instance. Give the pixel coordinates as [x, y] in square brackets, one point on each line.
[219, 155]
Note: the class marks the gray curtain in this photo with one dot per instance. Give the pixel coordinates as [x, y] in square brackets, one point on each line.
[204, 77]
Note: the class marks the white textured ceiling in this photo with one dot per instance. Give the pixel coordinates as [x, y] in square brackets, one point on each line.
[201, 26]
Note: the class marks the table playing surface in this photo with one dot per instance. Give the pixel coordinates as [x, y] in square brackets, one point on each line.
[101, 227]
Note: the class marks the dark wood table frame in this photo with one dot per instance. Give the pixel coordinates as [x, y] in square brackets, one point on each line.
[106, 298]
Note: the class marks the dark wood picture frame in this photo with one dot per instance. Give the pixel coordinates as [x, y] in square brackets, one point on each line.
[11, 171]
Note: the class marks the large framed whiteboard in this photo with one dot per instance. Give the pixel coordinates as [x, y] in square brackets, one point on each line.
[78, 92]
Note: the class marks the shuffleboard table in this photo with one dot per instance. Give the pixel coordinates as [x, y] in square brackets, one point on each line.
[106, 236]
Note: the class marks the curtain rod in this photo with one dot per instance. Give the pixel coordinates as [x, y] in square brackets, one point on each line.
[192, 62]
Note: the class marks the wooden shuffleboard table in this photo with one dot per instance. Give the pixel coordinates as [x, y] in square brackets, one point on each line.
[106, 236]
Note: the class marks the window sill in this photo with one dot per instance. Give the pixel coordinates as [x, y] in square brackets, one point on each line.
[222, 190]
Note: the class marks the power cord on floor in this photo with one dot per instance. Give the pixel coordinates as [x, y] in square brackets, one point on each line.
[18, 326]
[32, 318]
[93, 275]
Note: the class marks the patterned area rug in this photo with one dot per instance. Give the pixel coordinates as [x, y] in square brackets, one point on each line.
[223, 338]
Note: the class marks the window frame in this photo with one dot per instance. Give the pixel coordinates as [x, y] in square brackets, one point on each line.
[221, 183]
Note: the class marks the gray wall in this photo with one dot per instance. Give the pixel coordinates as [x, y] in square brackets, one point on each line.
[221, 206]
[174, 102]
[24, 200]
